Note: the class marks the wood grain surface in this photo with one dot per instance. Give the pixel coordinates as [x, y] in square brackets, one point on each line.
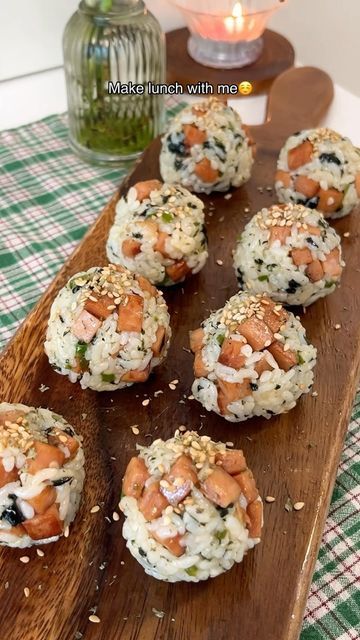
[292, 456]
[277, 56]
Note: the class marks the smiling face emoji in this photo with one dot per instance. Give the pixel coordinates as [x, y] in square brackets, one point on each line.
[245, 88]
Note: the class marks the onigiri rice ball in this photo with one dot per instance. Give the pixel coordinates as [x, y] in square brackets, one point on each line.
[251, 359]
[108, 328]
[206, 148]
[290, 253]
[41, 475]
[191, 508]
[320, 169]
[159, 233]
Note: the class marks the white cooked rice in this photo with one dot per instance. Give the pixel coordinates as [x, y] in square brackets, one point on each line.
[176, 212]
[214, 538]
[226, 147]
[68, 497]
[110, 353]
[262, 267]
[339, 174]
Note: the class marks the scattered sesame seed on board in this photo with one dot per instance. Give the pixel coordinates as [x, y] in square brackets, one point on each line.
[298, 506]
[346, 234]
[94, 618]
[337, 326]
[172, 386]
[191, 397]
[157, 393]
[135, 429]
[158, 613]
[40, 553]
[26, 592]
[116, 516]
[24, 559]
[145, 402]
[228, 196]
[269, 499]
[95, 509]
[219, 262]
[314, 394]
[43, 388]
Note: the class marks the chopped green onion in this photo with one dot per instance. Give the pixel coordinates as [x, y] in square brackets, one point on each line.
[167, 216]
[220, 535]
[192, 571]
[108, 377]
[220, 338]
[329, 284]
[80, 351]
[300, 358]
[263, 278]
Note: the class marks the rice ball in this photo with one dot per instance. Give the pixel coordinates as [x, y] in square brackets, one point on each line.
[206, 148]
[159, 232]
[41, 475]
[191, 508]
[320, 169]
[251, 359]
[290, 253]
[108, 328]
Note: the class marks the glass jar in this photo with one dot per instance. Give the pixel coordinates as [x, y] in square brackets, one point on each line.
[113, 41]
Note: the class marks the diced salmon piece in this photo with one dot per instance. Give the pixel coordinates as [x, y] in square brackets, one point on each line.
[135, 477]
[285, 359]
[143, 189]
[310, 230]
[255, 514]
[158, 345]
[204, 171]
[193, 135]
[10, 416]
[44, 525]
[43, 500]
[180, 480]
[136, 375]
[242, 515]
[262, 365]
[100, 307]
[131, 314]
[221, 488]
[230, 354]
[145, 285]
[152, 503]
[230, 392]
[357, 184]
[200, 370]
[160, 243]
[196, 339]
[301, 256]
[247, 485]
[171, 544]
[306, 186]
[178, 271]
[46, 456]
[331, 264]
[274, 315]
[279, 233]
[330, 200]
[63, 438]
[232, 461]
[315, 271]
[284, 177]
[256, 332]
[7, 476]
[85, 326]
[18, 531]
[130, 247]
[300, 155]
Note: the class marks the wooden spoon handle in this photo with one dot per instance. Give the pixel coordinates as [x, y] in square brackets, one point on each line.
[298, 99]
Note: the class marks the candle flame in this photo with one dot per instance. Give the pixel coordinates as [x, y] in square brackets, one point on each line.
[237, 11]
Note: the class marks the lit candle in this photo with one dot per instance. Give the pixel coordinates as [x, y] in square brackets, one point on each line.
[235, 22]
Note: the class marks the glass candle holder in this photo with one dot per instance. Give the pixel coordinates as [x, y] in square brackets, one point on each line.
[107, 42]
[226, 34]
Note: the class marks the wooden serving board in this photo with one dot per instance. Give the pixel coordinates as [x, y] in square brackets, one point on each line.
[293, 456]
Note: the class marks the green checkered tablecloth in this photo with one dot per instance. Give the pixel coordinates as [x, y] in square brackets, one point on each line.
[48, 199]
